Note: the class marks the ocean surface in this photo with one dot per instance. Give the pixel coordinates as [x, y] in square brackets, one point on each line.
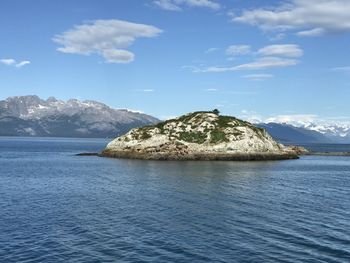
[57, 207]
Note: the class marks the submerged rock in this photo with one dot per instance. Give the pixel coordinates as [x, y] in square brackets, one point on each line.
[199, 136]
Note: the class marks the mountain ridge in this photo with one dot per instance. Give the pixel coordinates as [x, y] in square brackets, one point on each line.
[33, 116]
[289, 133]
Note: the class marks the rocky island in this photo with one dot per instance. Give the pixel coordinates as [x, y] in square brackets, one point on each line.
[199, 136]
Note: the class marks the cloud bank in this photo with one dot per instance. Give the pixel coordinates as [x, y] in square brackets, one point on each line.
[107, 38]
[288, 50]
[235, 50]
[272, 56]
[258, 64]
[294, 119]
[307, 18]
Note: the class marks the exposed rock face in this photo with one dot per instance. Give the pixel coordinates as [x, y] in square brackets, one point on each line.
[32, 116]
[299, 150]
[199, 136]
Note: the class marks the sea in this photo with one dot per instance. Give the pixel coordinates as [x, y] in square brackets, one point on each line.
[58, 207]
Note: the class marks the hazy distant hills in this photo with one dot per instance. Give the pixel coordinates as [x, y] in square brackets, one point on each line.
[32, 116]
[290, 134]
[309, 133]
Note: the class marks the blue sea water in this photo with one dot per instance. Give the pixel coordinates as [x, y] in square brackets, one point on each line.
[57, 207]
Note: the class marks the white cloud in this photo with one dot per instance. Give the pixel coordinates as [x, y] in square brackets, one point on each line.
[312, 32]
[235, 50]
[14, 63]
[250, 116]
[117, 56]
[167, 117]
[308, 121]
[278, 37]
[272, 56]
[167, 5]
[258, 64]
[145, 90]
[258, 77]
[211, 50]
[176, 5]
[131, 110]
[295, 119]
[200, 3]
[211, 90]
[22, 64]
[8, 61]
[307, 17]
[108, 38]
[287, 50]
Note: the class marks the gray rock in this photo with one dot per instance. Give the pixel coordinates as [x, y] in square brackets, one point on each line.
[32, 116]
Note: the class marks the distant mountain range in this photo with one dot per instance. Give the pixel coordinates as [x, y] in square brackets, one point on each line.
[32, 116]
[308, 133]
[336, 132]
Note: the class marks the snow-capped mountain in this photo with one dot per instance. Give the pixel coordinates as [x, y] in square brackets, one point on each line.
[338, 130]
[32, 116]
[308, 132]
[335, 131]
[290, 134]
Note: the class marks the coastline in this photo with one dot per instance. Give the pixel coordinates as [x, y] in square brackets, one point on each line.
[199, 156]
[209, 157]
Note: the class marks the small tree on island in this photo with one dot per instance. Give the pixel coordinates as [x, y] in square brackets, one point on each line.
[216, 111]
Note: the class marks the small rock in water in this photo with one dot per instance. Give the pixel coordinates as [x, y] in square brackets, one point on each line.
[87, 154]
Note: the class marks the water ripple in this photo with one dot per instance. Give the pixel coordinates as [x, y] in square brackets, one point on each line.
[56, 207]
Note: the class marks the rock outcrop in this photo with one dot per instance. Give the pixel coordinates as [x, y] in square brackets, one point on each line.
[199, 136]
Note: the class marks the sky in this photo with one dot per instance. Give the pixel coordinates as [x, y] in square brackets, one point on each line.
[259, 60]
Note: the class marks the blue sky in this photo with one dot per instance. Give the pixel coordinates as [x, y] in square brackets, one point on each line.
[252, 59]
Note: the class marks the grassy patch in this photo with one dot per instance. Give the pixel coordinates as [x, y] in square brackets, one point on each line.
[193, 137]
[145, 135]
[223, 121]
[217, 136]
